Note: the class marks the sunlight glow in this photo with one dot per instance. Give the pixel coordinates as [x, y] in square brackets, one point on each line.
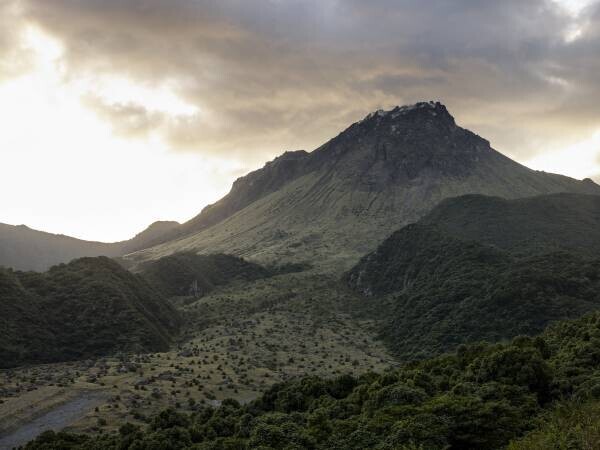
[580, 160]
[73, 175]
[574, 7]
[114, 90]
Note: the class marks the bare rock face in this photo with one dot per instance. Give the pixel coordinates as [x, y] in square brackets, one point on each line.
[338, 202]
[250, 188]
[401, 144]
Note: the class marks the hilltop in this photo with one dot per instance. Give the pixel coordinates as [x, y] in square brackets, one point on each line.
[89, 307]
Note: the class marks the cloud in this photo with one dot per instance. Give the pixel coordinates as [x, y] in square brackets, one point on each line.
[14, 58]
[128, 119]
[269, 75]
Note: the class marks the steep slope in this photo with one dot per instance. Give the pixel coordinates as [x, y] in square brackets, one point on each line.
[483, 268]
[521, 226]
[89, 307]
[23, 248]
[188, 273]
[338, 202]
[150, 236]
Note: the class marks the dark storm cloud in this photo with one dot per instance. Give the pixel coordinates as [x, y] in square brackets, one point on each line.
[270, 75]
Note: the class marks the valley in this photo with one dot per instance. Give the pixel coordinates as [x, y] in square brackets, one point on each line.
[299, 225]
[237, 341]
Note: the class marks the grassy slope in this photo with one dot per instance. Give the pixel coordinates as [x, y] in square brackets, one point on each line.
[237, 341]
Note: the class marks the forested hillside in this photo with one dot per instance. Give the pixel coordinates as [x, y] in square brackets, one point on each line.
[89, 307]
[436, 292]
[190, 274]
[533, 224]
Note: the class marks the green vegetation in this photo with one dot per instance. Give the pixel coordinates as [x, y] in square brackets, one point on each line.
[482, 397]
[91, 306]
[569, 426]
[187, 273]
[435, 292]
[539, 224]
[236, 342]
[483, 268]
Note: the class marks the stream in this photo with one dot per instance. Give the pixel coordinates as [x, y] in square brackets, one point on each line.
[56, 419]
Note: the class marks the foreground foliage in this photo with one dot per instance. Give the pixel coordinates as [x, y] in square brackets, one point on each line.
[481, 397]
[568, 426]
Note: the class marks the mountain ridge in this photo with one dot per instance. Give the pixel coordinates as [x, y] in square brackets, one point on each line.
[24, 248]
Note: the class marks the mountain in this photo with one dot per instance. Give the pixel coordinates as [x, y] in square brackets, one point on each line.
[334, 204]
[483, 268]
[188, 273]
[89, 307]
[23, 248]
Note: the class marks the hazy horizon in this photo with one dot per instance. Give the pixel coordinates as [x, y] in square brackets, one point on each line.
[120, 114]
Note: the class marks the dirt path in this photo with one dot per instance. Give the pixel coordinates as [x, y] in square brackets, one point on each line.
[56, 419]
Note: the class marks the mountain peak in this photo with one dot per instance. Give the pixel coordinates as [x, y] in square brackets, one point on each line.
[421, 110]
[404, 143]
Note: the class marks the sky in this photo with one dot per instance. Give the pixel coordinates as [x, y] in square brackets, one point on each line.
[117, 113]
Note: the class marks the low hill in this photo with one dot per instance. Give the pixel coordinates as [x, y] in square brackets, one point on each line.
[191, 274]
[481, 397]
[23, 248]
[437, 292]
[534, 224]
[89, 307]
